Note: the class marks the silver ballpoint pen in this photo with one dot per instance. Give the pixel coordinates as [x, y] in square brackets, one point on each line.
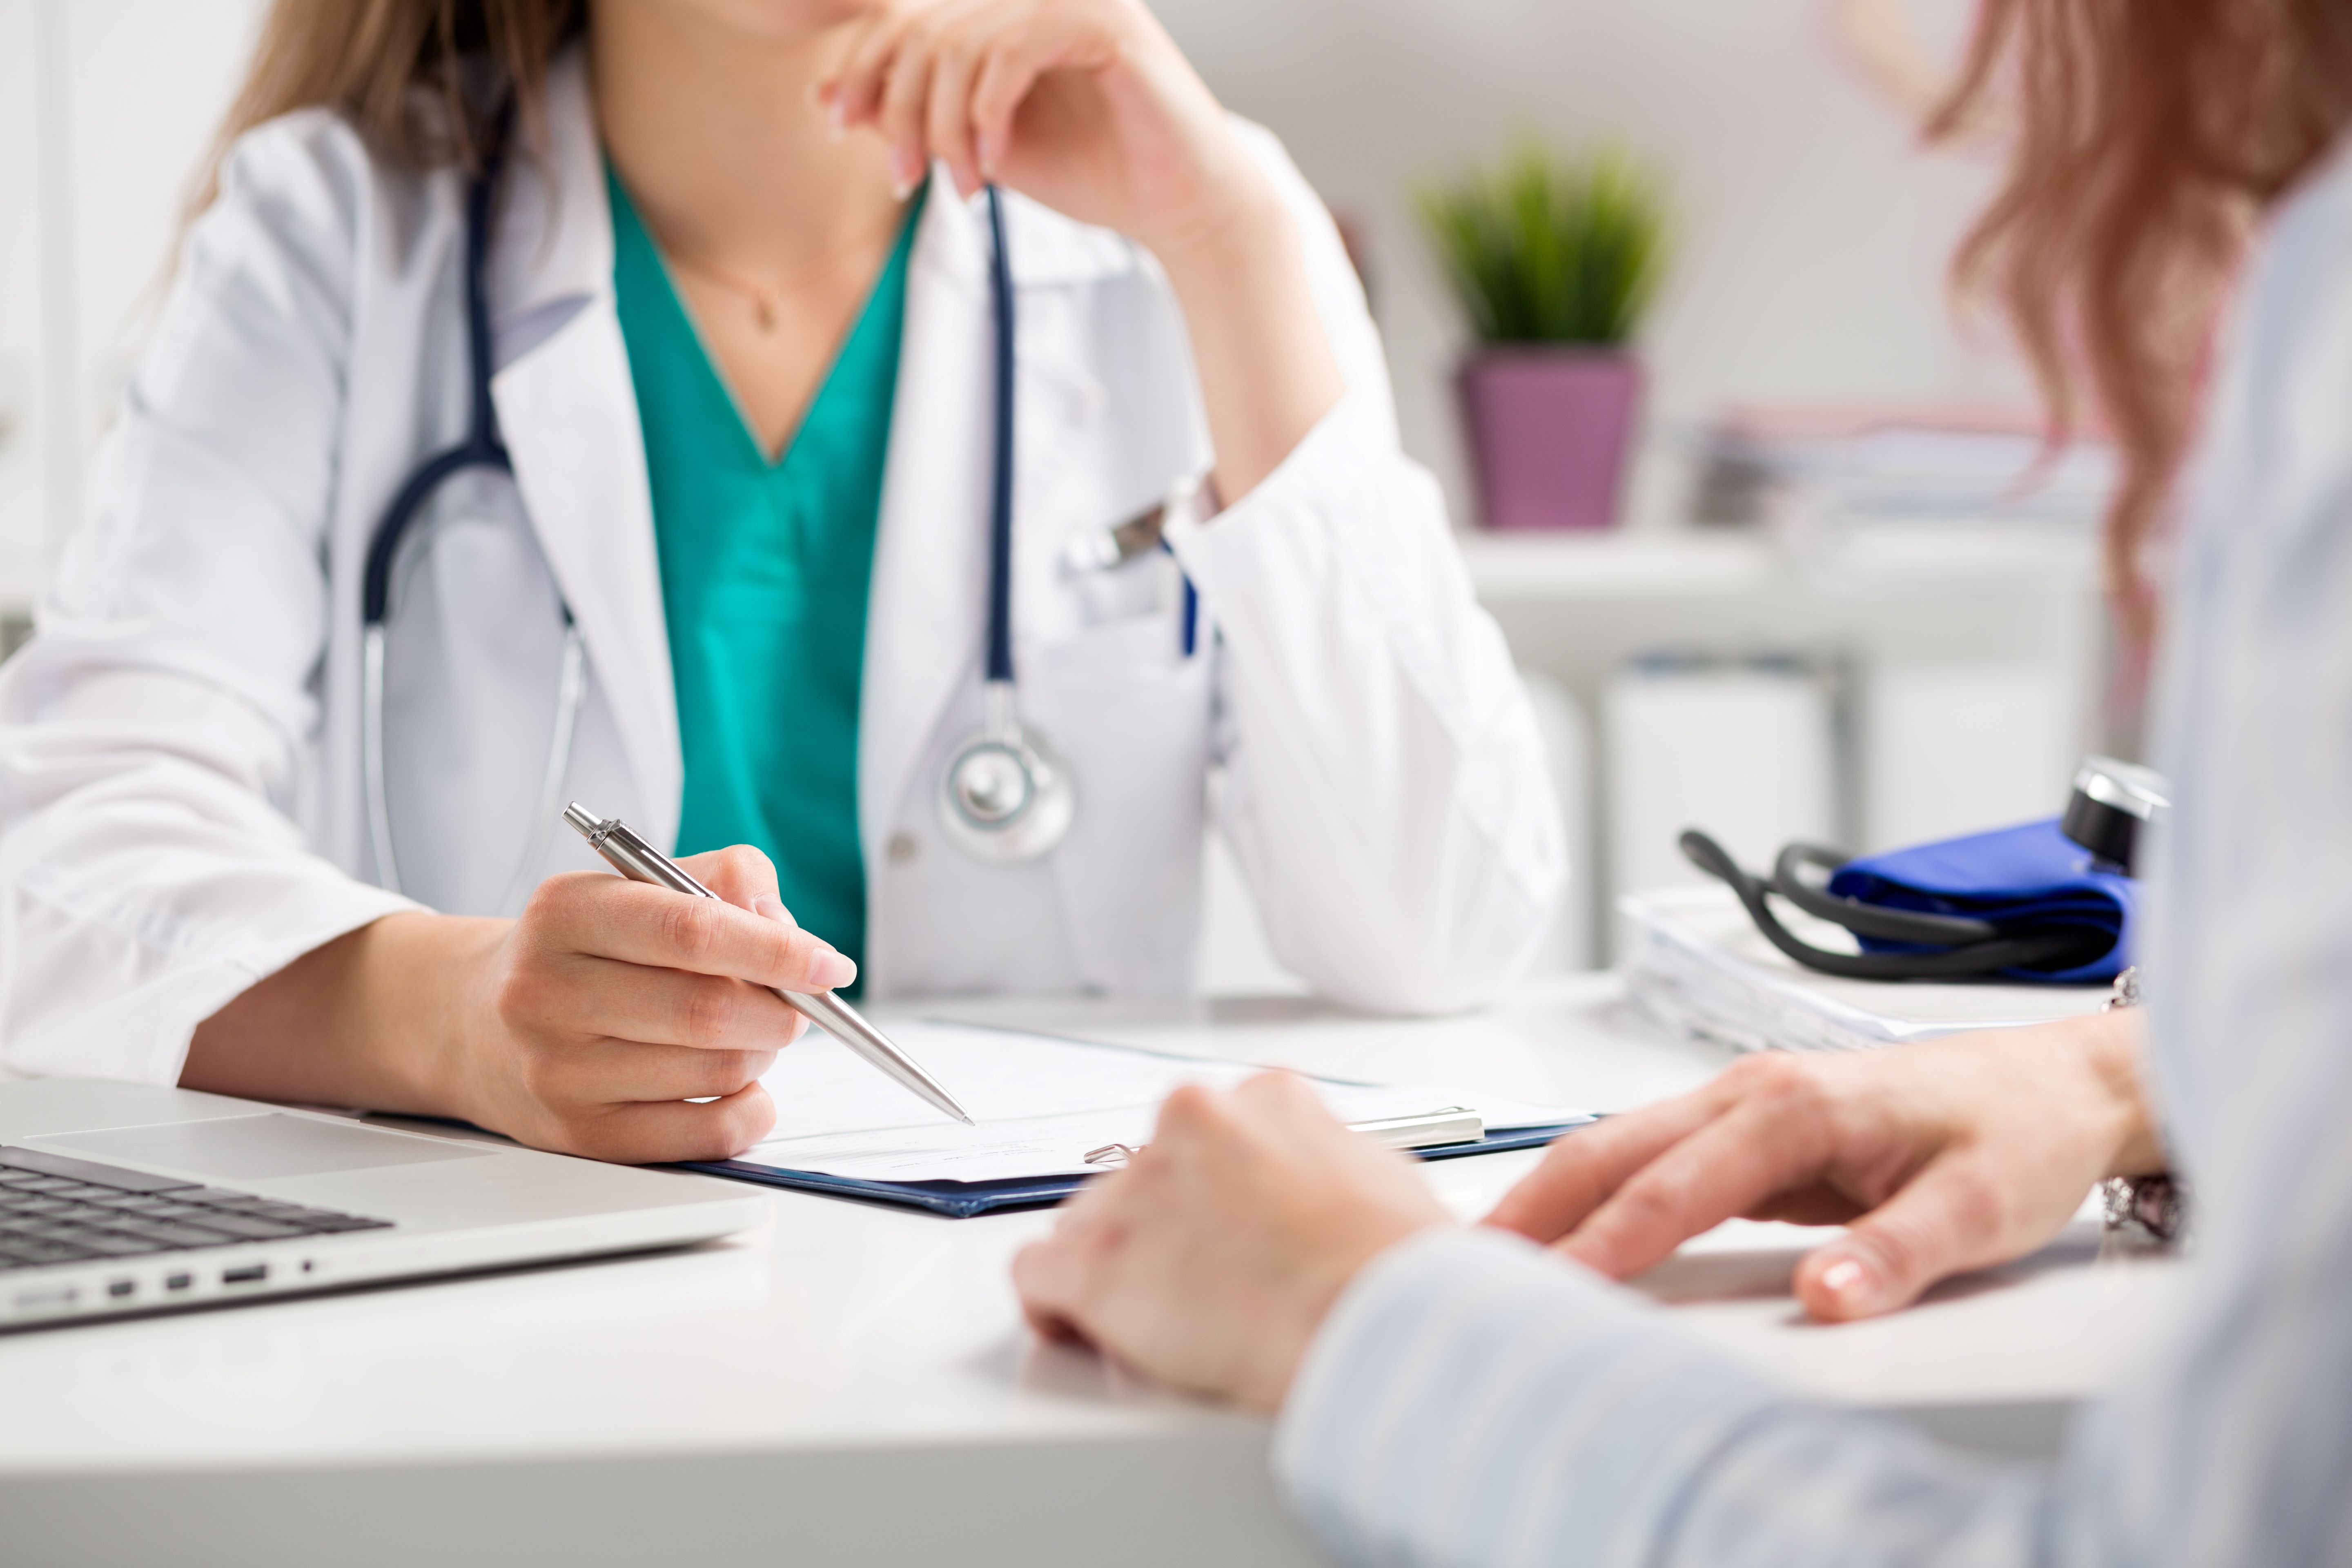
[639, 861]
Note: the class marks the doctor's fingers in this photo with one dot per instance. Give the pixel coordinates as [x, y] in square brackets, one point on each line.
[608, 917]
[924, 84]
[596, 998]
[945, 108]
[577, 1076]
[741, 874]
[913, 83]
[853, 94]
[659, 1132]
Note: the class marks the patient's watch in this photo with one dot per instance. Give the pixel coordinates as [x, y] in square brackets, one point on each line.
[2156, 1204]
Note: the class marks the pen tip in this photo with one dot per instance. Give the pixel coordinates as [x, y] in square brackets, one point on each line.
[967, 1121]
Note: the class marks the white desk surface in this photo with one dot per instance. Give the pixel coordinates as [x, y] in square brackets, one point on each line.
[855, 1379]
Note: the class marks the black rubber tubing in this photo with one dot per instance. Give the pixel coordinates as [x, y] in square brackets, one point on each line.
[1963, 960]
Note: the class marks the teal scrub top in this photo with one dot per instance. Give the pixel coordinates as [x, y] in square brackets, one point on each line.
[765, 568]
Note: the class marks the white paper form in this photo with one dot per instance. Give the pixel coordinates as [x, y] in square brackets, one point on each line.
[1040, 1104]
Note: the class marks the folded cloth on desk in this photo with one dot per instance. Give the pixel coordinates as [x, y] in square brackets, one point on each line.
[1696, 965]
[1040, 1105]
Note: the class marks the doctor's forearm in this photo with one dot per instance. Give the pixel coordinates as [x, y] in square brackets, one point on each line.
[372, 1019]
[1267, 372]
[613, 1019]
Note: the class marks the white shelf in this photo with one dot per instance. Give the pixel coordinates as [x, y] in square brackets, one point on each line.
[1705, 564]
[1655, 564]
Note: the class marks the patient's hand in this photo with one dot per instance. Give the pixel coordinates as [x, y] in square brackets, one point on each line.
[1209, 1261]
[1951, 1156]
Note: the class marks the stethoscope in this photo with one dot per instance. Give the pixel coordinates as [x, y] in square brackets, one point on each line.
[1005, 795]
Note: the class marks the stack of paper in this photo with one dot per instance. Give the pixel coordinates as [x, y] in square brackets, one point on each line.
[1877, 490]
[1696, 963]
[1041, 1103]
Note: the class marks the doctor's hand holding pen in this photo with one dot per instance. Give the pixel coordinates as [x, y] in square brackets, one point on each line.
[613, 1019]
[1211, 1260]
[1088, 107]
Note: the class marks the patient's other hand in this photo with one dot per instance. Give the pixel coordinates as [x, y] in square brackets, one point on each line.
[1949, 1155]
[1211, 1260]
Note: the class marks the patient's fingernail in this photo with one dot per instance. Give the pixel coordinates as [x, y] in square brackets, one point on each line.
[832, 971]
[986, 149]
[1846, 1279]
[906, 168]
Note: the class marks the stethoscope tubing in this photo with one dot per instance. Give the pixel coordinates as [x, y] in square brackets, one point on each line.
[999, 496]
[481, 449]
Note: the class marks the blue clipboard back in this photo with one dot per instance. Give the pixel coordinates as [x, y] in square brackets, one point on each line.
[962, 1200]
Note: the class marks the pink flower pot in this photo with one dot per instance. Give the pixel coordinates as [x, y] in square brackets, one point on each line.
[1550, 427]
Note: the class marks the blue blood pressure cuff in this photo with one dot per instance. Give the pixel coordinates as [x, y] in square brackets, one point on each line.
[2030, 881]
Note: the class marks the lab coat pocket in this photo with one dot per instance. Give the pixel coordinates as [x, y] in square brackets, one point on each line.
[1149, 585]
[1129, 714]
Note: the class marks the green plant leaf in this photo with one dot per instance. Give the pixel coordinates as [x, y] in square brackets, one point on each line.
[1544, 248]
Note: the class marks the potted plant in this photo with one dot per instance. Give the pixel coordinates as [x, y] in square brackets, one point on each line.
[1554, 260]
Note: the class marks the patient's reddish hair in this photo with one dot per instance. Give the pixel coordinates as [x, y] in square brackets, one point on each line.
[2149, 134]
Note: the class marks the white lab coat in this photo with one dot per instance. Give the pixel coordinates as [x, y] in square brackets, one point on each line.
[180, 762]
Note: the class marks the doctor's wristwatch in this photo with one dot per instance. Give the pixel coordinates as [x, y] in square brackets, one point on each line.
[2158, 1203]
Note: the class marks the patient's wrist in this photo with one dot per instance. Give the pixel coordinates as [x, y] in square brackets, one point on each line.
[2117, 1042]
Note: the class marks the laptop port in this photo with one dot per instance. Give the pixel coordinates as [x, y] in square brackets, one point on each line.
[178, 1281]
[121, 1287]
[47, 1298]
[251, 1273]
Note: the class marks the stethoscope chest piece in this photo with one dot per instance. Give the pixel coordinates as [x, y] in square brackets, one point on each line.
[1005, 797]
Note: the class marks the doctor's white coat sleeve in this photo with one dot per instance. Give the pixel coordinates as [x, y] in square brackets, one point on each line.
[1386, 793]
[155, 732]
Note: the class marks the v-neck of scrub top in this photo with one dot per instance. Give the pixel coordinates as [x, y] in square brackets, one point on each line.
[765, 568]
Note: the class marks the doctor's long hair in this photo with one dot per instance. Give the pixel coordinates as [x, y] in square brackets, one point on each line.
[416, 77]
[2149, 136]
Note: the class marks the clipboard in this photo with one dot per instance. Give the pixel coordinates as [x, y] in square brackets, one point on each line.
[963, 1200]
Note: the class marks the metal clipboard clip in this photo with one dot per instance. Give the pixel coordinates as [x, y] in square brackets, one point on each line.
[1429, 1130]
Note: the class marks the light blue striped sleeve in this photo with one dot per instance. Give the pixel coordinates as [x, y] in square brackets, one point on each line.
[1472, 1400]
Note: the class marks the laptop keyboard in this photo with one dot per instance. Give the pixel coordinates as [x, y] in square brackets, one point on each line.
[59, 1210]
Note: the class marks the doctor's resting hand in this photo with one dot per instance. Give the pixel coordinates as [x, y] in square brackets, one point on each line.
[613, 1019]
[1088, 107]
[1210, 1262]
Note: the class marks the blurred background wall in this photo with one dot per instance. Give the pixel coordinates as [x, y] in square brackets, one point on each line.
[1887, 697]
[1814, 230]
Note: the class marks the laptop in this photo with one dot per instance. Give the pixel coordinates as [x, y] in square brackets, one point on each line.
[121, 1197]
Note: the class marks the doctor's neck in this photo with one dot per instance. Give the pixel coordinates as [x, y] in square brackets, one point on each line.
[711, 120]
